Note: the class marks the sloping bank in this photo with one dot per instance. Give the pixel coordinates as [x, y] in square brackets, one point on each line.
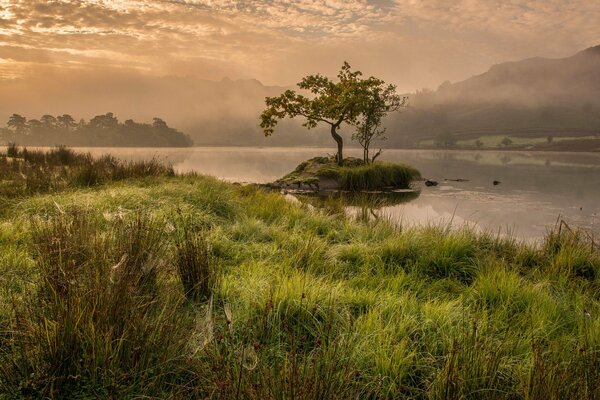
[280, 302]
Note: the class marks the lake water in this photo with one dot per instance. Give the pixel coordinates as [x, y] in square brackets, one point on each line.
[536, 188]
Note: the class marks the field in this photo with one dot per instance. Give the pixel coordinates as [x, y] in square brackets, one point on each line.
[141, 283]
[522, 141]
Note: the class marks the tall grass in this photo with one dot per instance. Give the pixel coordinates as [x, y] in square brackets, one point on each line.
[377, 176]
[193, 259]
[220, 291]
[25, 172]
[354, 176]
[96, 322]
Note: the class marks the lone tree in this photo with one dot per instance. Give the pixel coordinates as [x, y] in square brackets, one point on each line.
[379, 100]
[332, 103]
[506, 142]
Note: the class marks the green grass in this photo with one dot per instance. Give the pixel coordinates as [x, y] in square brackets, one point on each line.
[28, 172]
[187, 287]
[494, 141]
[376, 176]
[354, 175]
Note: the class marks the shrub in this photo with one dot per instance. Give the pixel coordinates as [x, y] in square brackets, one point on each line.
[377, 176]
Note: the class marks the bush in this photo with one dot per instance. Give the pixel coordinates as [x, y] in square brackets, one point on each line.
[377, 176]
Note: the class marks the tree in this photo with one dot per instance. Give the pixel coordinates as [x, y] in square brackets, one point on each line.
[379, 101]
[17, 123]
[549, 139]
[479, 143]
[159, 124]
[34, 126]
[48, 121]
[445, 140]
[506, 142]
[104, 122]
[66, 121]
[332, 103]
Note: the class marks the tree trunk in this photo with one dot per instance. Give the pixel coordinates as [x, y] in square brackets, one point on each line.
[376, 155]
[340, 144]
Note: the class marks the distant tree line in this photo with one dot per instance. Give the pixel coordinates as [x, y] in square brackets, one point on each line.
[101, 130]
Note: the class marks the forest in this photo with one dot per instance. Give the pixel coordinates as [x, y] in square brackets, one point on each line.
[100, 131]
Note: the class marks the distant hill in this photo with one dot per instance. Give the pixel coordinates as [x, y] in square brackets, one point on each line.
[532, 97]
[536, 97]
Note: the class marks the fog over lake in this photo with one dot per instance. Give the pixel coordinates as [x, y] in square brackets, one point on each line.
[536, 189]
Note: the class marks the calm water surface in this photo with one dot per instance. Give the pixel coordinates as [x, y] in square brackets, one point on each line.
[536, 188]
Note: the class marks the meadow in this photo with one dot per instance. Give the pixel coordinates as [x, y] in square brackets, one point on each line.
[517, 141]
[126, 280]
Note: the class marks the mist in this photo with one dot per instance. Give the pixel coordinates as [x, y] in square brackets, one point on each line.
[537, 96]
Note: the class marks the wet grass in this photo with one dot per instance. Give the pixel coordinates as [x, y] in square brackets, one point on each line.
[376, 176]
[186, 287]
[26, 172]
[354, 176]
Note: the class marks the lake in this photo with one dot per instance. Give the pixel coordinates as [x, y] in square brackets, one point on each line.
[536, 189]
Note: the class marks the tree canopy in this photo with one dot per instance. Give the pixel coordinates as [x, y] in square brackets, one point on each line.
[380, 100]
[101, 130]
[331, 102]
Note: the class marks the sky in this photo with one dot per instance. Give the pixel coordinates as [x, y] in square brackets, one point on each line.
[412, 43]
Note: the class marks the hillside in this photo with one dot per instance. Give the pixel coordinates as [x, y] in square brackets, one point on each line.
[533, 97]
[123, 280]
[536, 97]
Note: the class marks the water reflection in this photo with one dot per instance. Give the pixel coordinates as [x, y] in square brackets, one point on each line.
[372, 200]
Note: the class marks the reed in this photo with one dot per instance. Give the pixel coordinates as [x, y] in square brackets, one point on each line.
[187, 287]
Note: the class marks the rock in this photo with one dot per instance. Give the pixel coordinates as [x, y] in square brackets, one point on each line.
[496, 183]
[430, 183]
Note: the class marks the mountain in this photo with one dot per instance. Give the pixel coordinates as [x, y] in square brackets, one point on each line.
[532, 97]
[536, 97]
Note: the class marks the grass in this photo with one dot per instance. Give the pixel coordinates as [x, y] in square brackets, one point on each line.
[354, 176]
[376, 176]
[27, 172]
[170, 286]
[518, 141]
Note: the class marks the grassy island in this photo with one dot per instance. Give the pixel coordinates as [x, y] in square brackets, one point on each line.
[354, 175]
[125, 280]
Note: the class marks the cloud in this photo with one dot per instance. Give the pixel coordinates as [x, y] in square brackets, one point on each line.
[411, 42]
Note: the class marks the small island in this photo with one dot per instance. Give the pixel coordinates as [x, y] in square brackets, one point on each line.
[361, 103]
[324, 174]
